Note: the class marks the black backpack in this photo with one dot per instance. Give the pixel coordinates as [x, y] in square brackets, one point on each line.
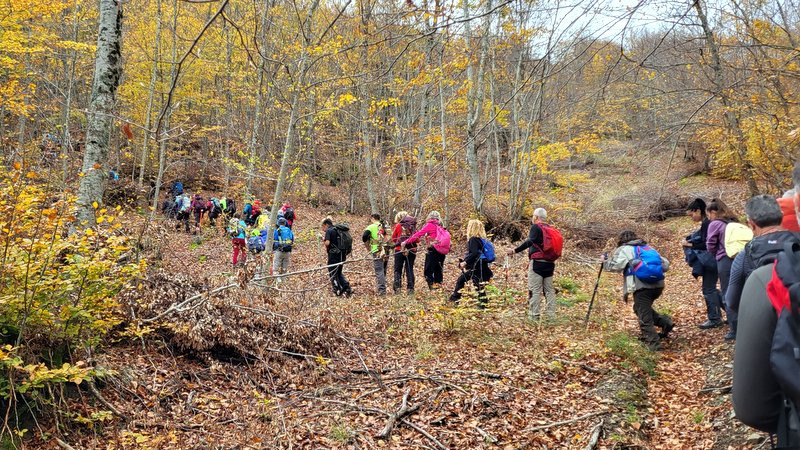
[289, 214]
[345, 246]
[763, 250]
[783, 291]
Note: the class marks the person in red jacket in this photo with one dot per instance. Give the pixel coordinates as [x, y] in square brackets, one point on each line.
[790, 204]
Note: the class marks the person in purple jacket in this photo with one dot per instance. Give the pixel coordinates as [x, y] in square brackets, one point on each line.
[720, 215]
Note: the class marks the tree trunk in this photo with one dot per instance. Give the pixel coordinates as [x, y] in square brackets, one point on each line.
[66, 139]
[107, 73]
[731, 119]
[475, 105]
[150, 95]
[288, 146]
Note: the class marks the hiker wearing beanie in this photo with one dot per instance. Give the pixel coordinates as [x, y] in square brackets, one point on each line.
[438, 239]
[705, 265]
[643, 269]
[542, 264]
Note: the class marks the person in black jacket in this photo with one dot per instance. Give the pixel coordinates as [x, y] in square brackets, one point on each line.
[540, 270]
[474, 266]
[713, 297]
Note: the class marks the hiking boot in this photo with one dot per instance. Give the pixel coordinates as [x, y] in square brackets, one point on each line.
[655, 347]
[348, 293]
[666, 330]
[708, 324]
[731, 336]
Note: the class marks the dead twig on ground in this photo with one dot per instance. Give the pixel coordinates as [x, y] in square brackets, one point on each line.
[393, 418]
[486, 436]
[722, 389]
[596, 432]
[563, 422]
[101, 399]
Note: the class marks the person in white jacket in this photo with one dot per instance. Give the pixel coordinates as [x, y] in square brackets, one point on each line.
[644, 293]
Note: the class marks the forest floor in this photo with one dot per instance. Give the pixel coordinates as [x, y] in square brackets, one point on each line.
[414, 371]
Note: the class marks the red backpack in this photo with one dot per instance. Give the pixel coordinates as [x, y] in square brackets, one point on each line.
[552, 244]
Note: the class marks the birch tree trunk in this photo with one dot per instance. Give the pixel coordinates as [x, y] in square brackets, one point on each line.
[66, 139]
[150, 95]
[107, 71]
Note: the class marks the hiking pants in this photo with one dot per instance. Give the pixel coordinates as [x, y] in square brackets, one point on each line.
[280, 264]
[724, 271]
[339, 283]
[404, 262]
[239, 247]
[434, 267]
[198, 216]
[479, 276]
[183, 217]
[379, 265]
[536, 286]
[649, 319]
[711, 294]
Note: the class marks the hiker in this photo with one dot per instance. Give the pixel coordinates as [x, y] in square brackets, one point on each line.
[791, 220]
[544, 245]
[706, 268]
[338, 244]
[719, 216]
[237, 232]
[183, 207]
[405, 225]
[764, 217]
[373, 237]
[251, 214]
[475, 265]
[288, 213]
[643, 269]
[438, 247]
[228, 207]
[214, 209]
[283, 240]
[761, 398]
[168, 208]
[198, 208]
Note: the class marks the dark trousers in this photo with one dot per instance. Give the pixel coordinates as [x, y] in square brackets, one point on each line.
[649, 319]
[479, 276]
[711, 294]
[183, 217]
[336, 274]
[434, 267]
[198, 216]
[724, 270]
[404, 262]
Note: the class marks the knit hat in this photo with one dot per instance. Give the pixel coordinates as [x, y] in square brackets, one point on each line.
[282, 222]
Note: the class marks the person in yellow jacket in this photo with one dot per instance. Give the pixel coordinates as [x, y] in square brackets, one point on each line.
[373, 237]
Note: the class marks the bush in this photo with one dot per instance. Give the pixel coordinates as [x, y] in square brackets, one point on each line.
[58, 288]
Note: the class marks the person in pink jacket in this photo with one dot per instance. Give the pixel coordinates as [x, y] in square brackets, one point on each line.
[437, 251]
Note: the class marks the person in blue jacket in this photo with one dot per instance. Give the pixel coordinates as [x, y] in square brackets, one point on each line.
[283, 240]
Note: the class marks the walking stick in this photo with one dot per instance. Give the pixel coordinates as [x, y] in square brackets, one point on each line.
[591, 302]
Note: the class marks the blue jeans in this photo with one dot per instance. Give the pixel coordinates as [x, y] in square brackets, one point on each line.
[712, 295]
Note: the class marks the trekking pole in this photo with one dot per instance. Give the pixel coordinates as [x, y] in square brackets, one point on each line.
[591, 302]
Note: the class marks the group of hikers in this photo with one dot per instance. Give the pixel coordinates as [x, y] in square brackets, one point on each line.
[249, 230]
[544, 245]
[749, 270]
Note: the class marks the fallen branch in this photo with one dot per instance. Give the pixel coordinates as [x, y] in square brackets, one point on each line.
[563, 422]
[64, 445]
[422, 431]
[393, 418]
[722, 389]
[490, 375]
[101, 399]
[598, 430]
[486, 436]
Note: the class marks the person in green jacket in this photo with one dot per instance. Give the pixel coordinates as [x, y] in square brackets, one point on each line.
[373, 237]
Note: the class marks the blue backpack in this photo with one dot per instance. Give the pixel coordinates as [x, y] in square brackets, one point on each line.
[248, 209]
[647, 266]
[488, 251]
